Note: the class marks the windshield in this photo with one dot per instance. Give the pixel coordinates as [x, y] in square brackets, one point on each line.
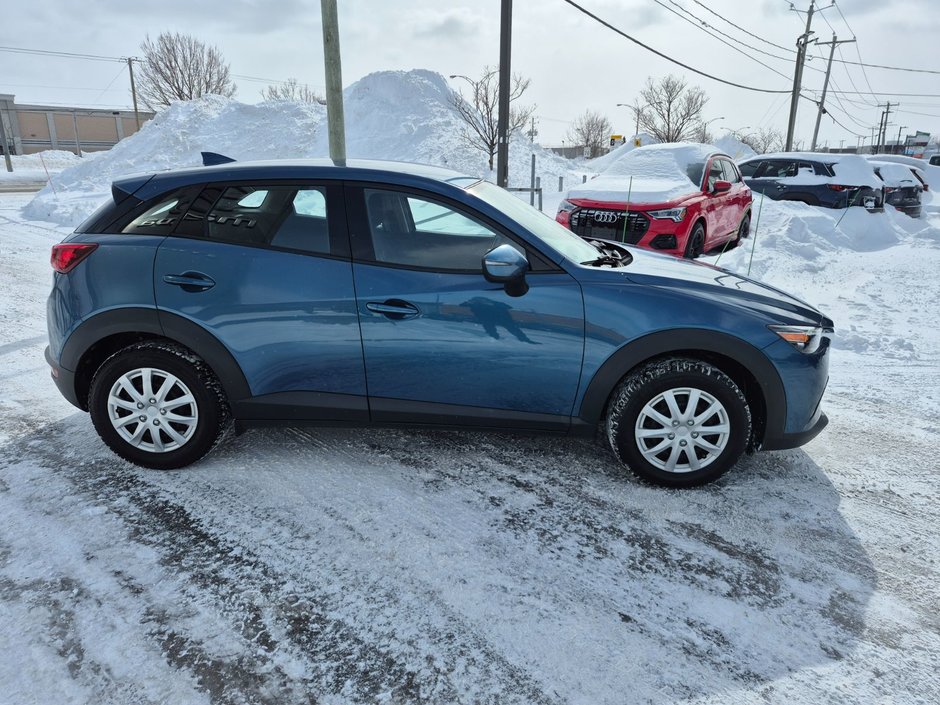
[696, 170]
[542, 226]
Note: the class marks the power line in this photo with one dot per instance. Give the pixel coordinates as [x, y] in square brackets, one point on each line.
[703, 23]
[665, 56]
[63, 54]
[725, 19]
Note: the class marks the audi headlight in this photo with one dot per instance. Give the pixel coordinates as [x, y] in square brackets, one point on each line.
[804, 338]
[673, 214]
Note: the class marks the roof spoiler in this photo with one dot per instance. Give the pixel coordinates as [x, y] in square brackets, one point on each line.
[211, 159]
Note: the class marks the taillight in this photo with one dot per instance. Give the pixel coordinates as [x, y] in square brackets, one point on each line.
[890, 189]
[65, 257]
[838, 187]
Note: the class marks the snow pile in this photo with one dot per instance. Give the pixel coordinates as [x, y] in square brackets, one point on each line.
[34, 167]
[600, 164]
[395, 115]
[650, 174]
[896, 175]
[854, 170]
[734, 148]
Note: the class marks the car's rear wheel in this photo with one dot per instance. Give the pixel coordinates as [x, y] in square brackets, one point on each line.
[157, 405]
[744, 230]
[695, 245]
[678, 422]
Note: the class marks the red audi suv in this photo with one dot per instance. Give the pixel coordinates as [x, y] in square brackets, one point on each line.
[678, 198]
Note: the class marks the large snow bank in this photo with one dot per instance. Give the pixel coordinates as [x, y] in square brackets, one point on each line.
[396, 115]
[650, 174]
[734, 148]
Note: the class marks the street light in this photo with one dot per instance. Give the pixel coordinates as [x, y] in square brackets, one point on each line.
[624, 105]
[705, 126]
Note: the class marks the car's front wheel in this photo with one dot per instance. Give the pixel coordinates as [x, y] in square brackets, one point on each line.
[157, 405]
[695, 245]
[678, 422]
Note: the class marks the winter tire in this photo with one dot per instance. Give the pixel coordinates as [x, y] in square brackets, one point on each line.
[678, 422]
[695, 245]
[157, 405]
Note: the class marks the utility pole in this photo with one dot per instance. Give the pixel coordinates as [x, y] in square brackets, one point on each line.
[130, 70]
[336, 121]
[505, 88]
[822, 101]
[801, 44]
[6, 145]
[899, 138]
[882, 127]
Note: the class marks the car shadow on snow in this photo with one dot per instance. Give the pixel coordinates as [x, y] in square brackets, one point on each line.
[465, 566]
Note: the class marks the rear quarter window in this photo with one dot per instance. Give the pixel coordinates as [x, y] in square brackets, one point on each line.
[160, 215]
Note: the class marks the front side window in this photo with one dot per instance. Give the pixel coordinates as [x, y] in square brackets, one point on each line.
[714, 174]
[749, 168]
[412, 231]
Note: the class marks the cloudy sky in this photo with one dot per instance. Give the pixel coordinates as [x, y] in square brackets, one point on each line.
[574, 63]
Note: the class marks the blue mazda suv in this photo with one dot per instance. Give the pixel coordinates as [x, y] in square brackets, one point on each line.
[383, 294]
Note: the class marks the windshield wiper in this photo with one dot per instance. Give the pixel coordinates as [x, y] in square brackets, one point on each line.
[612, 255]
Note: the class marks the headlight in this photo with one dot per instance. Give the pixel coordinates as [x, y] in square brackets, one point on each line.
[566, 206]
[673, 214]
[804, 338]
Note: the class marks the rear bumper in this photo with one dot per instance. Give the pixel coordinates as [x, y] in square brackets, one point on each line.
[64, 379]
[794, 440]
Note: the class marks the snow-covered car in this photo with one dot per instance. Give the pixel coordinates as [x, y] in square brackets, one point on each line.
[681, 198]
[829, 180]
[903, 186]
[927, 171]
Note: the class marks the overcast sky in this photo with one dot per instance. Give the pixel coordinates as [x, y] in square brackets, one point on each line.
[574, 63]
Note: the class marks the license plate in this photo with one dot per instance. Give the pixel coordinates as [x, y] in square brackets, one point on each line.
[869, 201]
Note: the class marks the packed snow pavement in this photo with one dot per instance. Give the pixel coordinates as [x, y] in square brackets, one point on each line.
[376, 566]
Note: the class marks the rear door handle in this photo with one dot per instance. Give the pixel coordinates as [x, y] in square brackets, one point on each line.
[395, 309]
[190, 281]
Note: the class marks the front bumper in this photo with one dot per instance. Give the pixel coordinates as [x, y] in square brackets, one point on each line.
[794, 440]
[64, 379]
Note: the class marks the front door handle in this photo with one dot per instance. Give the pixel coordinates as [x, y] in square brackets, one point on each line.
[190, 281]
[395, 309]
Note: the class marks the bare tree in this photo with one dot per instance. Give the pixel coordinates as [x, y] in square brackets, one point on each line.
[292, 89]
[670, 110]
[766, 139]
[480, 110]
[180, 67]
[591, 130]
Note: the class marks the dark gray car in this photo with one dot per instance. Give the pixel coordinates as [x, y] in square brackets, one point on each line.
[773, 176]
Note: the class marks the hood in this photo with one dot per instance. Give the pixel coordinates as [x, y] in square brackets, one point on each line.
[707, 281]
[642, 189]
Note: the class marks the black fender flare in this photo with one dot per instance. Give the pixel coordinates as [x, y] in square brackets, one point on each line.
[150, 321]
[688, 341]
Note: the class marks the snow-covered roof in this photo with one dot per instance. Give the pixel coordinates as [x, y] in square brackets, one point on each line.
[655, 173]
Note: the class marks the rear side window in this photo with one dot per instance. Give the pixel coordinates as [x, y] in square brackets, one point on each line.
[730, 172]
[291, 217]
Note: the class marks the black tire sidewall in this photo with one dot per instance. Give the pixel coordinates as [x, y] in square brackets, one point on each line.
[698, 233]
[718, 386]
[207, 403]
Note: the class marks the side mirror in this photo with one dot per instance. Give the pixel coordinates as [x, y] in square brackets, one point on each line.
[721, 186]
[506, 265]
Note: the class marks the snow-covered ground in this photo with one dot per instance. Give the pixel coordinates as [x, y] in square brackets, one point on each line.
[376, 566]
[33, 170]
